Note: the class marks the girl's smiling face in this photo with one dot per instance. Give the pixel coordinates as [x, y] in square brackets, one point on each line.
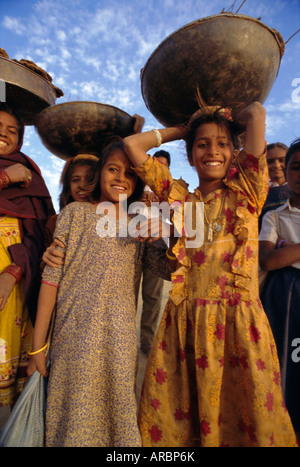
[276, 164]
[293, 172]
[212, 152]
[78, 180]
[9, 134]
[117, 178]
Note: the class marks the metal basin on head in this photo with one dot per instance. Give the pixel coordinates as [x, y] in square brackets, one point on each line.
[81, 127]
[233, 60]
[26, 91]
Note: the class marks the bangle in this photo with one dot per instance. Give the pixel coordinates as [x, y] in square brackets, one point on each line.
[279, 243]
[171, 257]
[4, 179]
[38, 351]
[15, 271]
[158, 138]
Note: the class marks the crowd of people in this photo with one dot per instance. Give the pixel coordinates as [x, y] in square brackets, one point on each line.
[222, 368]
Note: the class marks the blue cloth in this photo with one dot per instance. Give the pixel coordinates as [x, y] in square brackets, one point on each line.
[26, 424]
[280, 299]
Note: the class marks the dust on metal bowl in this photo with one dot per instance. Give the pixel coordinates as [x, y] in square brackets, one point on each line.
[80, 127]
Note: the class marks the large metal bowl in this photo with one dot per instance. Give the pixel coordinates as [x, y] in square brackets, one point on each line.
[25, 90]
[232, 59]
[80, 127]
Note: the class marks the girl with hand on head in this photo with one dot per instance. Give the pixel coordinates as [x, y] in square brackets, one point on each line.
[213, 377]
[91, 390]
[73, 179]
[25, 207]
[279, 253]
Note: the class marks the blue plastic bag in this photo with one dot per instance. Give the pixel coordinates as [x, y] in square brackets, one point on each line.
[26, 424]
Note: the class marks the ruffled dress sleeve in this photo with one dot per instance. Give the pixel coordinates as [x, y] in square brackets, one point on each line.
[175, 193]
[249, 176]
[249, 180]
[157, 176]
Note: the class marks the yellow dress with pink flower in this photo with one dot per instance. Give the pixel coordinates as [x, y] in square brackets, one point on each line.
[213, 377]
[15, 325]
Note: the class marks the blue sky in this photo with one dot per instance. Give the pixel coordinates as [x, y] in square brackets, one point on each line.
[94, 50]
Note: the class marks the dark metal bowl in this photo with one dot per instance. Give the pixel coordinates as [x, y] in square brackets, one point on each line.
[25, 90]
[232, 59]
[81, 127]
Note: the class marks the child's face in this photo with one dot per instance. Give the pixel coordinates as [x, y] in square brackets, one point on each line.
[276, 164]
[9, 136]
[212, 152]
[293, 172]
[117, 178]
[78, 180]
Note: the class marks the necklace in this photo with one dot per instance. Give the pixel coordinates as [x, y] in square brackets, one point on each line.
[214, 226]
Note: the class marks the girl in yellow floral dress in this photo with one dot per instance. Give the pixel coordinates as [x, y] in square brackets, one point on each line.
[213, 376]
[25, 206]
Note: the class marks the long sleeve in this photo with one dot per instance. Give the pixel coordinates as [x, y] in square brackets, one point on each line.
[157, 176]
[249, 175]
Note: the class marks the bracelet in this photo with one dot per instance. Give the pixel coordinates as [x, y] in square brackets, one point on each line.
[4, 179]
[15, 271]
[278, 244]
[158, 138]
[171, 257]
[38, 351]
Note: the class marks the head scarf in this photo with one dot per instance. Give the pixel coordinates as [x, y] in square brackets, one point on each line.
[33, 207]
[16, 201]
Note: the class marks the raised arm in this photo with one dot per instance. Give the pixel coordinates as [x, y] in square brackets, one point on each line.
[253, 118]
[136, 146]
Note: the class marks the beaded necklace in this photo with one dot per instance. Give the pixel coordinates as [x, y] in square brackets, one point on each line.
[214, 226]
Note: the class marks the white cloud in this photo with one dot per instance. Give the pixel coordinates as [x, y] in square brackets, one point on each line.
[14, 24]
[95, 50]
[65, 54]
[95, 62]
[60, 81]
[61, 36]
[91, 89]
[281, 116]
[111, 71]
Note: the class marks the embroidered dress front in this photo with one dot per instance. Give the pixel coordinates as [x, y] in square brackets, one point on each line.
[213, 376]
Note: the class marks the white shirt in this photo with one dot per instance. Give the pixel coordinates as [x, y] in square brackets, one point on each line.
[274, 184]
[283, 222]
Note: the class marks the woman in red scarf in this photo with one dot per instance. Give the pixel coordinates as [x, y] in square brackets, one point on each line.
[25, 206]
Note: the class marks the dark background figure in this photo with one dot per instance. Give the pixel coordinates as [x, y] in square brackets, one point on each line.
[151, 285]
[279, 191]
